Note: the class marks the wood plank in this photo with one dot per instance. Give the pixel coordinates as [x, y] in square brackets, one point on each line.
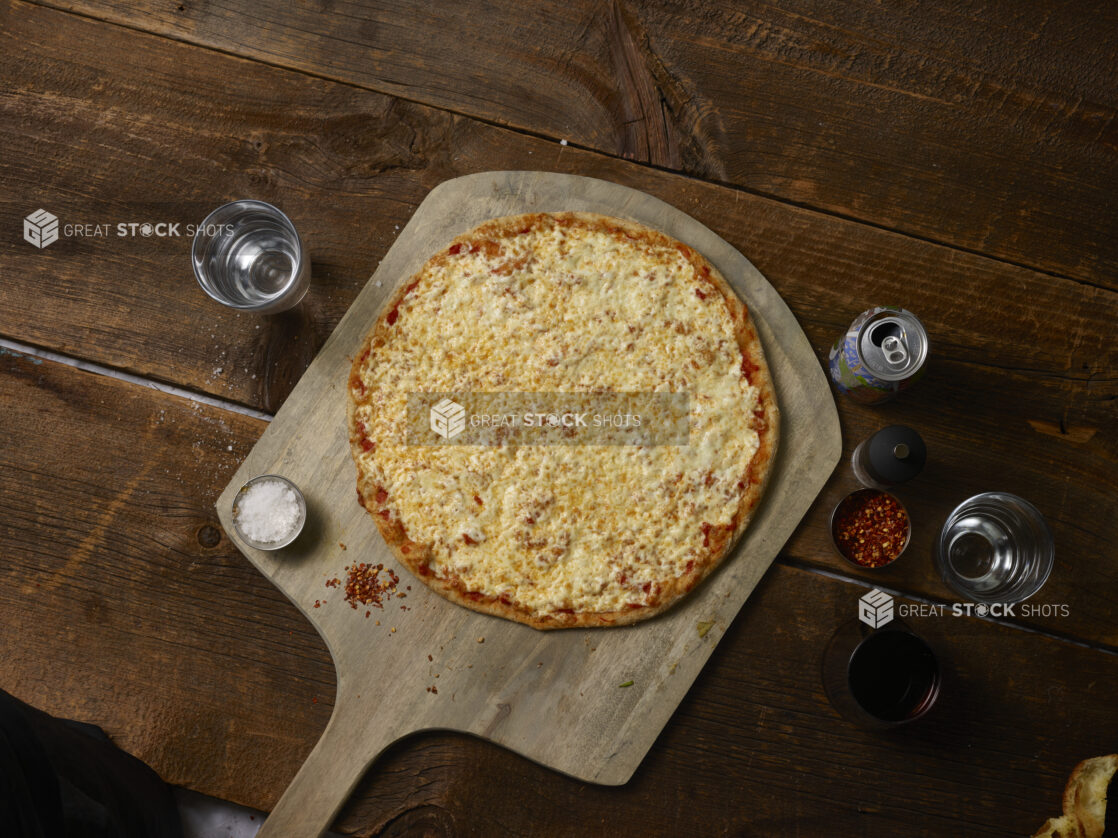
[123, 601]
[118, 613]
[756, 749]
[1020, 393]
[990, 130]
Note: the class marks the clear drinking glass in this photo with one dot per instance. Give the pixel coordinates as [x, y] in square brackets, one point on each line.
[995, 547]
[248, 255]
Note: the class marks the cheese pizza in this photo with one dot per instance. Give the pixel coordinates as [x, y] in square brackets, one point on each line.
[560, 535]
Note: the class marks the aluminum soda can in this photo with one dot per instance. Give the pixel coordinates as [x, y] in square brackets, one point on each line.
[882, 353]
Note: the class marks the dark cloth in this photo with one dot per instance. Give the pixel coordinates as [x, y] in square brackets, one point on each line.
[63, 779]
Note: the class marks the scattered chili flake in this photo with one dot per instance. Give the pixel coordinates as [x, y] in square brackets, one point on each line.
[366, 585]
[333, 583]
[342, 545]
[870, 527]
[430, 658]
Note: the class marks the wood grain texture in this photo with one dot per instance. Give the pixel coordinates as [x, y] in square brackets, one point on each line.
[1021, 391]
[116, 614]
[756, 750]
[123, 601]
[551, 696]
[990, 129]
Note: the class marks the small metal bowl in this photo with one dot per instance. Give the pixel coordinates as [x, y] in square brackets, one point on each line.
[288, 538]
[852, 498]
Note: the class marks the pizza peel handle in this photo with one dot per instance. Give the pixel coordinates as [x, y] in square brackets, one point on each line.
[311, 802]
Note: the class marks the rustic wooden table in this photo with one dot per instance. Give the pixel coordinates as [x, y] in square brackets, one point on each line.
[960, 160]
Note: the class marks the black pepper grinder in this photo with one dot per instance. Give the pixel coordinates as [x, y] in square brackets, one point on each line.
[893, 455]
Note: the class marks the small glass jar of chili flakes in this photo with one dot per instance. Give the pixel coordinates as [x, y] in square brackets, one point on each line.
[870, 528]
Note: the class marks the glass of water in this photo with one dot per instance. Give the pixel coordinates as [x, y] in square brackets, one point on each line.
[995, 547]
[248, 255]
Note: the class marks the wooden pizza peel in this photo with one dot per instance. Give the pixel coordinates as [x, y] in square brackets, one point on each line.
[555, 697]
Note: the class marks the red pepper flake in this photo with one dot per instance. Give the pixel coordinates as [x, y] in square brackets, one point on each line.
[365, 584]
[870, 528]
[333, 583]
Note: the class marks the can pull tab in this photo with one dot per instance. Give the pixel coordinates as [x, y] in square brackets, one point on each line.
[894, 350]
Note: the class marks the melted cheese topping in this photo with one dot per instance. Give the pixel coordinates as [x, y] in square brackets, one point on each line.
[562, 309]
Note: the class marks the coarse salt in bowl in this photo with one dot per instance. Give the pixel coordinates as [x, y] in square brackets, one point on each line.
[269, 512]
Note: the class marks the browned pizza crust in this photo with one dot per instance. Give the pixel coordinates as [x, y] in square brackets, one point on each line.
[718, 540]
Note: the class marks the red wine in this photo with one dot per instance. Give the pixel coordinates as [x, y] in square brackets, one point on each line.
[893, 675]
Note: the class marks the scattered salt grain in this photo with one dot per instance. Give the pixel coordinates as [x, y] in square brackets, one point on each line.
[562, 142]
[268, 511]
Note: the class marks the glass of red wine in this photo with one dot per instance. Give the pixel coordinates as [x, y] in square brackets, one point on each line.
[882, 677]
